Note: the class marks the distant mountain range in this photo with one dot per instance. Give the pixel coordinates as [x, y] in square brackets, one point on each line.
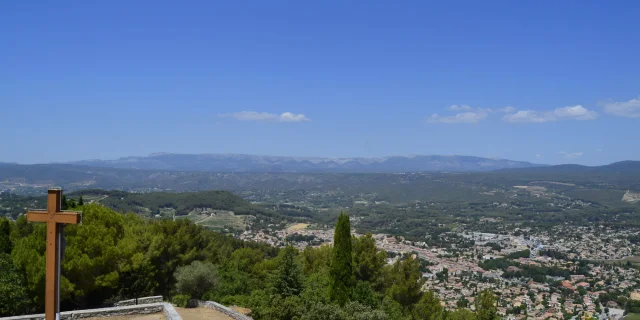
[611, 180]
[275, 164]
[621, 167]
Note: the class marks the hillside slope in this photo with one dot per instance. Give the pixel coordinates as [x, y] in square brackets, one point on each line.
[181, 203]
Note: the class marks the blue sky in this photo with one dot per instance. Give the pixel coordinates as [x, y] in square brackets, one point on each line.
[542, 81]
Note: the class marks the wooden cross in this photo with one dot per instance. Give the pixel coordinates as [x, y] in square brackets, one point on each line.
[55, 219]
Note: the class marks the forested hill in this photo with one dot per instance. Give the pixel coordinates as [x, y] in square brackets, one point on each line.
[172, 204]
[182, 203]
[165, 204]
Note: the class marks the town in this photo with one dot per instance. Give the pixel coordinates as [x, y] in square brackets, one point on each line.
[563, 273]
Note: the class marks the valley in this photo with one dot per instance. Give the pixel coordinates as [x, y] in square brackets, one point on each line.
[550, 242]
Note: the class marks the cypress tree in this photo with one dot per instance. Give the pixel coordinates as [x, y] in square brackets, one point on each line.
[341, 269]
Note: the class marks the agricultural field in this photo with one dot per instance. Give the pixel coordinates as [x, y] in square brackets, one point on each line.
[217, 219]
[633, 316]
[297, 226]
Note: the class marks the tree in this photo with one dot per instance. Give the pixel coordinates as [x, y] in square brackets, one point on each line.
[5, 236]
[405, 281]
[92, 256]
[323, 311]
[582, 291]
[22, 228]
[196, 279]
[357, 311]
[364, 294]
[367, 259]
[80, 201]
[461, 314]
[276, 307]
[428, 308]
[341, 269]
[462, 303]
[288, 278]
[486, 306]
[13, 293]
[28, 257]
[316, 260]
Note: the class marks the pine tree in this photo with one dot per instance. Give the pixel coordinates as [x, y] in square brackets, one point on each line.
[428, 307]
[341, 270]
[13, 292]
[367, 259]
[64, 205]
[5, 239]
[288, 279]
[486, 306]
[80, 201]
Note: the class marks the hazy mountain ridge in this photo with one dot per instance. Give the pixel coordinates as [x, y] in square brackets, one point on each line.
[621, 167]
[257, 163]
[608, 182]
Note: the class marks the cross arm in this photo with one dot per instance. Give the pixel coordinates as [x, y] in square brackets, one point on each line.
[38, 216]
[59, 217]
[67, 217]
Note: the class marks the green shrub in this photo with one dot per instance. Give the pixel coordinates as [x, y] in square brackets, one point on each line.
[180, 300]
[196, 279]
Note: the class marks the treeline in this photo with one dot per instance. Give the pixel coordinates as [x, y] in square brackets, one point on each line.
[519, 254]
[535, 272]
[554, 254]
[182, 202]
[111, 257]
[296, 237]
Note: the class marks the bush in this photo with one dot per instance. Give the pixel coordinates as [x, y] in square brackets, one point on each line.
[196, 279]
[180, 300]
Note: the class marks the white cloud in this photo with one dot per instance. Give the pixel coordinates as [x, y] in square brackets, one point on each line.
[290, 117]
[629, 109]
[538, 156]
[571, 155]
[577, 112]
[462, 107]
[465, 117]
[526, 116]
[466, 114]
[264, 116]
[507, 109]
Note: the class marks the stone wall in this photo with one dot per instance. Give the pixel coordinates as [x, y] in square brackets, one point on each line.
[220, 308]
[146, 300]
[169, 312]
[130, 302]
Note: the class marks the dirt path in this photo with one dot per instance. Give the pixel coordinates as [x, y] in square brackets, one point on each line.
[201, 314]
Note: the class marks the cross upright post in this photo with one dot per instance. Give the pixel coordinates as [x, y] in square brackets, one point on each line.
[55, 219]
